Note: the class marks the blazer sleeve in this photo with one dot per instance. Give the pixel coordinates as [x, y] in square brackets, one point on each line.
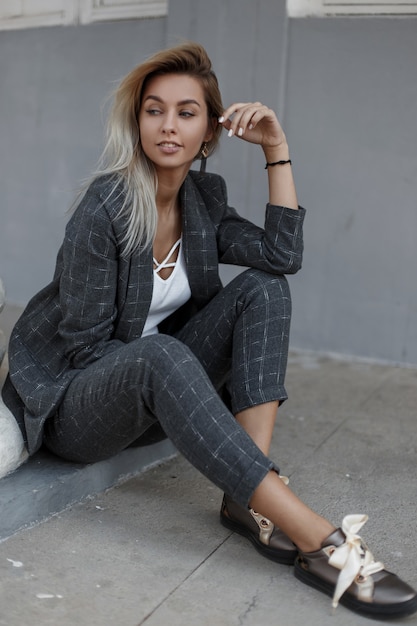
[88, 282]
[277, 248]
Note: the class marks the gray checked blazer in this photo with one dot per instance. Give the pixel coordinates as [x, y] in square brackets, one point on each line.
[98, 299]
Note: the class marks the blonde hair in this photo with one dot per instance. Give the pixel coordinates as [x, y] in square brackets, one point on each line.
[123, 156]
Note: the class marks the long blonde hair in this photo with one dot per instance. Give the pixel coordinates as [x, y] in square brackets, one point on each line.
[123, 156]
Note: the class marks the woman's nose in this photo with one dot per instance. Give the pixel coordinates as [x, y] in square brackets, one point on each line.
[169, 123]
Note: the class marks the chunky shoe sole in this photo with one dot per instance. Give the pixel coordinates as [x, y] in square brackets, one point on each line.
[285, 557]
[367, 609]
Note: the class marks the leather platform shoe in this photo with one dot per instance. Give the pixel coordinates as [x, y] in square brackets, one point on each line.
[269, 540]
[345, 569]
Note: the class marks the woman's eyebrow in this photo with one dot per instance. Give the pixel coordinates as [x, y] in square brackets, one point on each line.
[180, 103]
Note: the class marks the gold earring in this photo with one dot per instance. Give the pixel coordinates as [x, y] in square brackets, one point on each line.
[204, 150]
[204, 155]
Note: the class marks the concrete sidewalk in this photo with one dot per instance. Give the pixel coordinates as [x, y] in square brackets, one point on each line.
[151, 550]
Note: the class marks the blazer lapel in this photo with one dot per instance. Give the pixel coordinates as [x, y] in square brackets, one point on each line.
[200, 246]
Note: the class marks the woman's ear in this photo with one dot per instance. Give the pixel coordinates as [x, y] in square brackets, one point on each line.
[211, 127]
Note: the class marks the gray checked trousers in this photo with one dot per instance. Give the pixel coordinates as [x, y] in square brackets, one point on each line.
[240, 337]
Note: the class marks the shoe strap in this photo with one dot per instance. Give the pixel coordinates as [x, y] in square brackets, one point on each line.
[354, 560]
[266, 527]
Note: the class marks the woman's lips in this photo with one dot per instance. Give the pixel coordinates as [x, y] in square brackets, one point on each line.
[169, 147]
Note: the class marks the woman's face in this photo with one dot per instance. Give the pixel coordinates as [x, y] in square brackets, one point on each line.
[173, 121]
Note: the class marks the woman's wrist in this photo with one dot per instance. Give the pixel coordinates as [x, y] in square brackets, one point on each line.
[276, 153]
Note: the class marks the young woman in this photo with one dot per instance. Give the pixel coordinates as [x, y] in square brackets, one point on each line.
[136, 332]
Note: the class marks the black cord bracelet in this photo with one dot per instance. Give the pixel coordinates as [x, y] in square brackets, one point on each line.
[277, 163]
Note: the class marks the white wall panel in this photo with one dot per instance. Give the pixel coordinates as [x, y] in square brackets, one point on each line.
[16, 14]
[328, 8]
[34, 13]
[101, 10]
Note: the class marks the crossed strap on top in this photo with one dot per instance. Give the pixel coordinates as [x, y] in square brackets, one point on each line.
[164, 264]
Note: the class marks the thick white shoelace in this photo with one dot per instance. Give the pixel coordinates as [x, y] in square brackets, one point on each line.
[354, 560]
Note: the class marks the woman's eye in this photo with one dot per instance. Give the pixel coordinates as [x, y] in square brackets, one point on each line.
[153, 111]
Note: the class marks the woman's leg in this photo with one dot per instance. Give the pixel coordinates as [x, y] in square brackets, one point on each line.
[259, 422]
[242, 331]
[110, 404]
[114, 400]
[250, 328]
[157, 378]
[243, 335]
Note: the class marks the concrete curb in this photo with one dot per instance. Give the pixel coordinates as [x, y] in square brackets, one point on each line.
[46, 485]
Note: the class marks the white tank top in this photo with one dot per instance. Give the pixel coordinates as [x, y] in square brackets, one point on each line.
[170, 293]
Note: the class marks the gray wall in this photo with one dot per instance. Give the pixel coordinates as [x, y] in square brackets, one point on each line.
[53, 84]
[345, 91]
[352, 119]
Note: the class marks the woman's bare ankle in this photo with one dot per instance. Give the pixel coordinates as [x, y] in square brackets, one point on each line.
[306, 528]
[314, 541]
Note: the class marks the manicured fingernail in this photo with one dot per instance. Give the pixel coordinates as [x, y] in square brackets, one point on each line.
[240, 132]
[250, 126]
[221, 119]
[230, 133]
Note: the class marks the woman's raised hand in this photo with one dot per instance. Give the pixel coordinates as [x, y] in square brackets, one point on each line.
[256, 123]
[253, 122]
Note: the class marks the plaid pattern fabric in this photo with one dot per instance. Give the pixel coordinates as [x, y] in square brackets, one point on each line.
[98, 301]
[240, 336]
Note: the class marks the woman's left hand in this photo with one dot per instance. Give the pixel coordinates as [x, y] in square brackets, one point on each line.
[253, 122]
